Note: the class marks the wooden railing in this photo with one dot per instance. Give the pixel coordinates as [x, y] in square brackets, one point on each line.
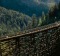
[40, 41]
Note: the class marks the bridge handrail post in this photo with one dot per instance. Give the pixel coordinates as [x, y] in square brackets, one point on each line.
[0, 49]
[17, 47]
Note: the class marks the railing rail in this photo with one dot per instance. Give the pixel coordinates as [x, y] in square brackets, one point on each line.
[40, 41]
[32, 31]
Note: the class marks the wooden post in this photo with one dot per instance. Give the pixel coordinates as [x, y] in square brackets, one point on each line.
[0, 49]
[17, 48]
[32, 45]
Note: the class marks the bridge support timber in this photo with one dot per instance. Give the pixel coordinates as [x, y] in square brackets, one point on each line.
[40, 41]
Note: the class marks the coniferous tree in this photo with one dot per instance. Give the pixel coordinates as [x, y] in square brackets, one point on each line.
[40, 21]
[34, 21]
[43, 18]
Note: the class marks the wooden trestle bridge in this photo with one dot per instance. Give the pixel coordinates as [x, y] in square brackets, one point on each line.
[40, 41]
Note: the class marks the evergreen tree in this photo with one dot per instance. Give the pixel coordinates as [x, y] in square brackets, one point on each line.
[43, 18]
[34, 21]
[40, 21]
[53, 14]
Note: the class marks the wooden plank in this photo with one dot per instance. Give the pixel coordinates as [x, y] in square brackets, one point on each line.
[32, 31]
[0, 50]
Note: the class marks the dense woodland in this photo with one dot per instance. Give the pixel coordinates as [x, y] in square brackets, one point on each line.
[12, 21]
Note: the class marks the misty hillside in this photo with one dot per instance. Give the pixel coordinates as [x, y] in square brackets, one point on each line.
[12, 21]
[23, 18]
[29, 7]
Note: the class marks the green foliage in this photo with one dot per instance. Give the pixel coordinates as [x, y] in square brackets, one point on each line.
[12, 22]
[34, 21]
[54, 15]
[42, 19]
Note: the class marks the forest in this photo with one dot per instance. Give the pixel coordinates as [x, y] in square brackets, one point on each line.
[12, 21]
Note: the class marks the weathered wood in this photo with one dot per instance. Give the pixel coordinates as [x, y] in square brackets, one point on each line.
[17, 47]
[39, 41]
[32, 31]
[0, 50]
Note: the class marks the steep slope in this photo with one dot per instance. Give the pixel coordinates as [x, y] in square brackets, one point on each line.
[12, 21]
[28, 7]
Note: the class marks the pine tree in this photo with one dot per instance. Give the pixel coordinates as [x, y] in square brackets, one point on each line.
[40, 21]
[43, 18]
[34, 21]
